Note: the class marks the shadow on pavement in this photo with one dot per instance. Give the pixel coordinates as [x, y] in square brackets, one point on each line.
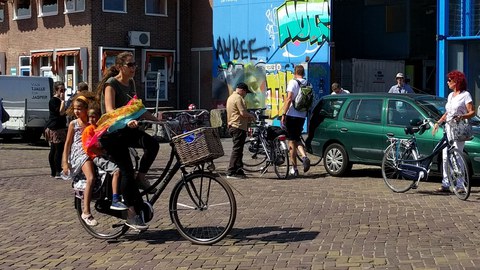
[273, 234]
[266, 234]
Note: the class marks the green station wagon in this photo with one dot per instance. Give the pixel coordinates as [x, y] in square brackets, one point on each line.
[355, 127]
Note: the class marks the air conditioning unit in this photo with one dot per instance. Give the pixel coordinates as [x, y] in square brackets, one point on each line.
[137, 38]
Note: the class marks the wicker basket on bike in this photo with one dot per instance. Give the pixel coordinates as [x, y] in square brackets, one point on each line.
[198, 146]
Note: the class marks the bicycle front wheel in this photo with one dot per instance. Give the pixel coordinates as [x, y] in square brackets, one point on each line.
[111, 224]
[280, 158]
[203, 208]
[253, 154]
[393, 157]
[457, 171]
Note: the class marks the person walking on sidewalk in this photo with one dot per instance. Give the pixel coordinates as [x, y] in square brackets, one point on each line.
[237, 119]
[293, 120]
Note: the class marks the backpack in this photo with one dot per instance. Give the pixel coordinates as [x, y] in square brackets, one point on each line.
[304, 98]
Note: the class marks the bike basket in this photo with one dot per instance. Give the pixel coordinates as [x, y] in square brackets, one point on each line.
[199, 145]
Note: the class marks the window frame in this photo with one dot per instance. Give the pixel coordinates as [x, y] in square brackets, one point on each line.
[109, 51]
[76, 9]
[22, 17]
[114, 11]
[164, 14]
[46, 14]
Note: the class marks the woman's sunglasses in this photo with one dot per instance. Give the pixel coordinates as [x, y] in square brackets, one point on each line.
[132, 64]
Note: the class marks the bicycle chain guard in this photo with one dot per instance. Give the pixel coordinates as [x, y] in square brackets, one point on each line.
[412, 172]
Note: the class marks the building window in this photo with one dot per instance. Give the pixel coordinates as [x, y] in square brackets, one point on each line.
[119, 6]
[24, 65]
[464, 18]
[2, 12]
[23, 9]
[72, 6]
[47, 8]
[156, 7]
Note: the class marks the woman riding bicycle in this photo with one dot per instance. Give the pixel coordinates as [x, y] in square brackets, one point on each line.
[459, 106]
[115, 90]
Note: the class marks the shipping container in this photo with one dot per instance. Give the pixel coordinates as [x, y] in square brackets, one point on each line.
[369, 75]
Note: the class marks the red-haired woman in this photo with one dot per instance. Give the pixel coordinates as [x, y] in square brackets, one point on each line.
[459, 106]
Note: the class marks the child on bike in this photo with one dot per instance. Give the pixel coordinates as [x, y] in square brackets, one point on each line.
[97, 155]
[75, 160]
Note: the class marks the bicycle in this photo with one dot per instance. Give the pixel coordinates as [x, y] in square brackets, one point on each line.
[266, 145]
[202, 205]
[403, 168]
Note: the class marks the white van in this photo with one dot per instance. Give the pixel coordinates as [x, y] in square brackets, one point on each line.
[26, 101]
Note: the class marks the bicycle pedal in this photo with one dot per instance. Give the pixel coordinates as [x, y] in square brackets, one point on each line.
[264, 171]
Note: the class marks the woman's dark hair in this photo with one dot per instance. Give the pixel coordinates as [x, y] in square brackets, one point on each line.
[459, 78]
[112, 71]
[57, 85]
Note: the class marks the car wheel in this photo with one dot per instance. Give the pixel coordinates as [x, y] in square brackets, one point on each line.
[336, 160]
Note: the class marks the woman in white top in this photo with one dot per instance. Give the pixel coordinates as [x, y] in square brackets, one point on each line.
[460, 106]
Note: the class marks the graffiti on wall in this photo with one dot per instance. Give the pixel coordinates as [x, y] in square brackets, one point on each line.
[293, 32]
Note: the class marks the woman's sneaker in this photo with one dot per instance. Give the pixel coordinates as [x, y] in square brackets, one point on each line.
[293, 172]
[136, 223]
[118, 205]
[306, 164]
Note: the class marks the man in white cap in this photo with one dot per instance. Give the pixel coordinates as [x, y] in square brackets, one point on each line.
[400, 87]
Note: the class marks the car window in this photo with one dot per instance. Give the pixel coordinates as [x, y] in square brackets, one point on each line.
[365, 110]
[331, 107]
[401, 112]
[351, 112]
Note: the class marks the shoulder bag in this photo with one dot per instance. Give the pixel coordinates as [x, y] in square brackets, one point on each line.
[461, 131]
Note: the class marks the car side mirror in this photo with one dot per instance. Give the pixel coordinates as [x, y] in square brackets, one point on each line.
[415, 122]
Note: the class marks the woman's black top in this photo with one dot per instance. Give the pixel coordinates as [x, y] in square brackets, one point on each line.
[55, 120]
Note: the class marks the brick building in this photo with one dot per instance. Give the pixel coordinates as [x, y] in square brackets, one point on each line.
[76, 40]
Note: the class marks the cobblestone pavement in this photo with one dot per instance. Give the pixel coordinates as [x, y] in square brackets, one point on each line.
[313, 222]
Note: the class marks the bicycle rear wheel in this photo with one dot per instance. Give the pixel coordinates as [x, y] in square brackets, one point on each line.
[109, 226]
[111, 223]
[457, 171]
[280, 158]
[394, 154]
[253, 155]
[203, 208]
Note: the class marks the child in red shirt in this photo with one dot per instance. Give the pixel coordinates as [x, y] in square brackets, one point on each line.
[96, 153]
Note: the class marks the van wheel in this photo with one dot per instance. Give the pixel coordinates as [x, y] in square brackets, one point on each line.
[32, 135]
[336, 161]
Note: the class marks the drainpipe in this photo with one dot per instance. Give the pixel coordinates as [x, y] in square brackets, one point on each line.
[178, 55]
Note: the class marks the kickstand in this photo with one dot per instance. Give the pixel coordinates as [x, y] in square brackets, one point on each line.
[265, 169]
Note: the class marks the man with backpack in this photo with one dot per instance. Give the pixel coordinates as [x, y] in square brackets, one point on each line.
[298, 102]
